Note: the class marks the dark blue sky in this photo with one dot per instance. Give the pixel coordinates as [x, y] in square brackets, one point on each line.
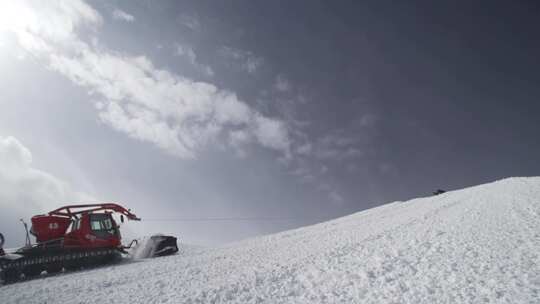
[454, 85]
[299, 109]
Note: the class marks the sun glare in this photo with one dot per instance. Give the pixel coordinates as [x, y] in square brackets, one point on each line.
[14, 15]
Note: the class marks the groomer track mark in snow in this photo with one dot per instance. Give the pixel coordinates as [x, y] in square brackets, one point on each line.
[480, 244]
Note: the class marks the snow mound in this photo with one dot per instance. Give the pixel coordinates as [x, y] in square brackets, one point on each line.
[480, 244]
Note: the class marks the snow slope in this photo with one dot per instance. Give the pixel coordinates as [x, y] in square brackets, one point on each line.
[476, 245]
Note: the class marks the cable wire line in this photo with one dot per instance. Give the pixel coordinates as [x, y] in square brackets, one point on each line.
[228, 219]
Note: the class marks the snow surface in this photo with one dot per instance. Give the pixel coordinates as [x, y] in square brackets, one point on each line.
[476, 245]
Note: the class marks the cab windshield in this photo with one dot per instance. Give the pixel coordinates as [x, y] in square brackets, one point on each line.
[102, 225]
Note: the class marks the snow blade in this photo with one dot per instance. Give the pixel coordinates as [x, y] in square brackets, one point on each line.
[164, 245]
[154, 246]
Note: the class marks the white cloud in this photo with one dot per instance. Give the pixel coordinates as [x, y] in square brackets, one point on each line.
[303, 173]
[21, 182]
[176, 114]
[388, 169]
[38, 24]
[142, 124]
[26, 191]
[252, 64]
[305, 149]
[312, 158]
[336, 147]
[332, 193]
[272, 133]
[336, 198]
[282, 84]
[238, 140]
[324, 169]
[190, 21]
[368, 120]
[189, 54]
[248, 61]
[119, 14]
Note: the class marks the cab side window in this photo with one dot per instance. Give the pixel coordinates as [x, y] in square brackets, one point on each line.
[76, 225]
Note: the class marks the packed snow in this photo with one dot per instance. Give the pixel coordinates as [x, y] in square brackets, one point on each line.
[476, 245]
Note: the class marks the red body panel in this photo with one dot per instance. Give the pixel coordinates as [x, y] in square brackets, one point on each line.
[49, 227]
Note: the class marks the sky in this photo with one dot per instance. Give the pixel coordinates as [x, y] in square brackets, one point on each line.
[272, 114]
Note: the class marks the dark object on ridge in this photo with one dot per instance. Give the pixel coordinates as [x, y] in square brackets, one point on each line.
[439, 191]
[2, 245]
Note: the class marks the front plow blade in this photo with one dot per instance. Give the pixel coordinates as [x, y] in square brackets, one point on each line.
[154, 246]
[164, 245]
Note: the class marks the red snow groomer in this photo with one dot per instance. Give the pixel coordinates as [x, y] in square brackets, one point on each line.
[81, 226]
[72, 237]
